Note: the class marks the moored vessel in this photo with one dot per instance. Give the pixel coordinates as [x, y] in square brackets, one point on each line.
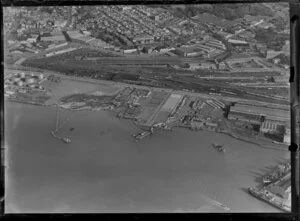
[218, 147]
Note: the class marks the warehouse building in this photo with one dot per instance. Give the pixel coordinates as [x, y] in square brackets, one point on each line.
[188, 51]
[275, 114]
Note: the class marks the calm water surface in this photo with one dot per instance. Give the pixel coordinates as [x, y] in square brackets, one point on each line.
[105, 170]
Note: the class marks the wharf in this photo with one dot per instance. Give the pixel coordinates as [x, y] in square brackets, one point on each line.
[274, 191]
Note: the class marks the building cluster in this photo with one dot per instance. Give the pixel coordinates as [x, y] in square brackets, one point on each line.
[132, 25]
[133, 108]
[131, 29]
[137, 25]
[34, 30]
[84, 36]
[208, 47]
[36, 21]
[272, 120]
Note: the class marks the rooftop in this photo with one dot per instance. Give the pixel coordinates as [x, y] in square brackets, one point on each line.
[270, 113]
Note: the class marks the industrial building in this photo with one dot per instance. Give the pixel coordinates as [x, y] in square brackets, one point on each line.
[129, 51]
[55, 38]
[268, 127]
[281, 116]
[188, 51]
[287, 135]
[237, 42]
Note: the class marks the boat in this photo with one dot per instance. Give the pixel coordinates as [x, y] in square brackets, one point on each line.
[267, 197]
[218, 147]
[66, 140]
[142, 135]
[71, 129]
[267, 179]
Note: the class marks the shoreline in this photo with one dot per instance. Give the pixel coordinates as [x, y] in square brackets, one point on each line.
[231, 134]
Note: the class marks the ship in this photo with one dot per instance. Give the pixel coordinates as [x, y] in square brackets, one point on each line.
[265, 196]
[218, 147]
[267, 179]
[141, 135]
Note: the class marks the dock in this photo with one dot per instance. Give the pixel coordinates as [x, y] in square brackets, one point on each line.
[57, 128]
[152, 129]
[277, 191]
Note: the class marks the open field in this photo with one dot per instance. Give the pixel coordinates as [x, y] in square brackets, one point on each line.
[88, 100]
[68, 87]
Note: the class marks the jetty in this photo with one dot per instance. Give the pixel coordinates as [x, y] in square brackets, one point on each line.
[64, 139]
[275, 188]
[152, 129]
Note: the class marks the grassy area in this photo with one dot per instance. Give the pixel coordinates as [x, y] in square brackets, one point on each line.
[89, 100]
[32, 98]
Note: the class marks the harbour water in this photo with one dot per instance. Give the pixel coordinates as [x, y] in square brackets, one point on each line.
[104, 169]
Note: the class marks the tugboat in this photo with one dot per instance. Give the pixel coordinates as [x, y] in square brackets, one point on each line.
[218, 147]
[267, 179]
[142, 135]
[66, 140]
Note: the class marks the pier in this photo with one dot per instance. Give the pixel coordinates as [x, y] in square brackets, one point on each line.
[57, 128]
[277, 191]
[152, 129]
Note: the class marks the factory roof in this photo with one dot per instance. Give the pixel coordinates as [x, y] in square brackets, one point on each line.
[189, 49]
[270, 113]
[205, 17]
[54, 38]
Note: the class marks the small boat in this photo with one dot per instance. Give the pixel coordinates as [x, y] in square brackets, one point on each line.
[71, 129]
[218, 147]
[142, 135]
[267, 179]
[66, 140]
